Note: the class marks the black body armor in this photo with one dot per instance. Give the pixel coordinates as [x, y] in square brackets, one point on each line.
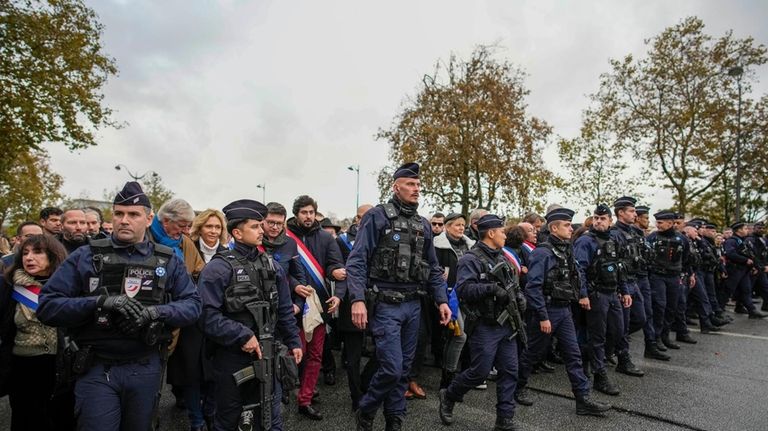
[398, 257]
[562, 282]
[667, 255]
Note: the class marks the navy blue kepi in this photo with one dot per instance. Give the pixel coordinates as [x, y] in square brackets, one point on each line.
[488, 222]
[559, 214]
[131, 195]
[245, 209]
[408, 170]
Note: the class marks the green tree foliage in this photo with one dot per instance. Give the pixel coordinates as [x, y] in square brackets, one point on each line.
[469, 129]
[157, 192]
[676, 107]
[27, 187]
[597, 165]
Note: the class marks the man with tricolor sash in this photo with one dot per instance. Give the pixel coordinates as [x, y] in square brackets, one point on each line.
[321, 258]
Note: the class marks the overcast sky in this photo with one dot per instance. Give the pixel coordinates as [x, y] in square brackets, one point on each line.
[221, 96]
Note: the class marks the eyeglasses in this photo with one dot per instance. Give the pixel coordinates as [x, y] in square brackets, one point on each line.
[436, 224]
[271, 223]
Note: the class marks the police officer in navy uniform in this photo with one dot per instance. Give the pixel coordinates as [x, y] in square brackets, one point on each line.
[603, 294]
[553, 286]
[486, 298]
[668, 263]
[116, 297]
[760, 246]
[741, 261]
[231, 282]
[393, 261]
[632, 242]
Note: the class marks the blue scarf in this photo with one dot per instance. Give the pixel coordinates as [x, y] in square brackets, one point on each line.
[160, 237]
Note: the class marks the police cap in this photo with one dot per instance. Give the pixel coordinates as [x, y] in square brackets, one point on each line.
[245, 209]
[408, 170]
[132, 195]
[624, 202]
[738, 225]
[665, 215]
[602, 209]
[642, 209]
[488, 222]
[560, 214]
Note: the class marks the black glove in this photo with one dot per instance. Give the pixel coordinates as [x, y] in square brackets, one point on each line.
[127, 311]
[150, 314]
[502, 297]
[522, 303]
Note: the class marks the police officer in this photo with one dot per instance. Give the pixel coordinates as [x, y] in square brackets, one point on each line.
[760, 278]
[698, 300]
[392, 261]
[116, 297]
[553, 285]
[493, 305]
[710, 266]
[741, 261]
[632, 242]
[246, 300]
[668, 249]
[603, 294]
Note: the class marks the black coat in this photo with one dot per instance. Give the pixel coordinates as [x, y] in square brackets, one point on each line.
[189, 364]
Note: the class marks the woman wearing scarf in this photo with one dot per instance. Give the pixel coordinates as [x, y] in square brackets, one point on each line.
[28, 361]
[209, 233]
[449, 247]
[172, 219]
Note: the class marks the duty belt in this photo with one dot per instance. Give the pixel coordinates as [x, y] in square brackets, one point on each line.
[557, 302]
[397, 297]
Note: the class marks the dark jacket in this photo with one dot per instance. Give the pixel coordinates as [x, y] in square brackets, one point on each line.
[447, 256]
[325, 250]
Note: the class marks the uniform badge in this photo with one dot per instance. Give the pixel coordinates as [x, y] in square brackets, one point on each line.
[132, 286]
[93, 284]
[277, 257]
[610, 268]
[160, 271]
[241, 275]
[396, 237]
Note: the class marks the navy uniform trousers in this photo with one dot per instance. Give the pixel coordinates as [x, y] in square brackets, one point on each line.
[604, 308]
[665, 293]
[125, 395]
[229, 399]
[634, 317]
[645, 289]
[395, 330]
[489, 345]
[538, 342]
[739, 284]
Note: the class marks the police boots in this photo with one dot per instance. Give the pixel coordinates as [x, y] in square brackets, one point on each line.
[523, 397]
[504, 424]
[626, 366]
[446, 407]
[364, 421]
[653, 352]
[684, 337]
[604, 385]
[668, 343]
[587, 406]
[393, 423]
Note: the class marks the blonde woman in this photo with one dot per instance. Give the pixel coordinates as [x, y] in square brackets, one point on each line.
[209, 232]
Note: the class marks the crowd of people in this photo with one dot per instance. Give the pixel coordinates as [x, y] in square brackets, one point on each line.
[241, 310]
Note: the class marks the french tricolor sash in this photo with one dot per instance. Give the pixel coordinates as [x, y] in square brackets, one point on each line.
[316, 272]
[528, 247]
[26, 295]
[345, 239]
[512, 258]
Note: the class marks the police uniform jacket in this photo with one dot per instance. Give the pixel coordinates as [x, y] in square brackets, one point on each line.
[215, 279]
[585, 252]
[542, 261]
[372, 227]
[66, 300]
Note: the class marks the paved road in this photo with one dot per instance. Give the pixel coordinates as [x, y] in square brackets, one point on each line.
[719, 384]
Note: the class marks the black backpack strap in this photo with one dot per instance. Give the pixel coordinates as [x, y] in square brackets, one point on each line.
[390, 210]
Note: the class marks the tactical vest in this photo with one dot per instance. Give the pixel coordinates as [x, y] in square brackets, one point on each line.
[115, 275]
[398, 257]
[561, 283]
[633, 252]
[605, 269]
[667, 255]
[252, 282]
[695, 259]
[709, 258]
[486, 307]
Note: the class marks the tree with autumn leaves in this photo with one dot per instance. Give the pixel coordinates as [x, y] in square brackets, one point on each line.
[469, 129]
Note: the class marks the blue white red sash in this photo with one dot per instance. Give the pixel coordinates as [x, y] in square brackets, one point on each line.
[26, 295]
[316, 272]
[345, 239]
[528, 247]
[512, 258]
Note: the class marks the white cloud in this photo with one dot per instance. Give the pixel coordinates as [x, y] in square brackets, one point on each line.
[222, 96]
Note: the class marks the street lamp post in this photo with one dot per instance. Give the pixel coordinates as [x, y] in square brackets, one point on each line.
[135, 177]
[263, 188]
[356, 169]
[737, 72]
